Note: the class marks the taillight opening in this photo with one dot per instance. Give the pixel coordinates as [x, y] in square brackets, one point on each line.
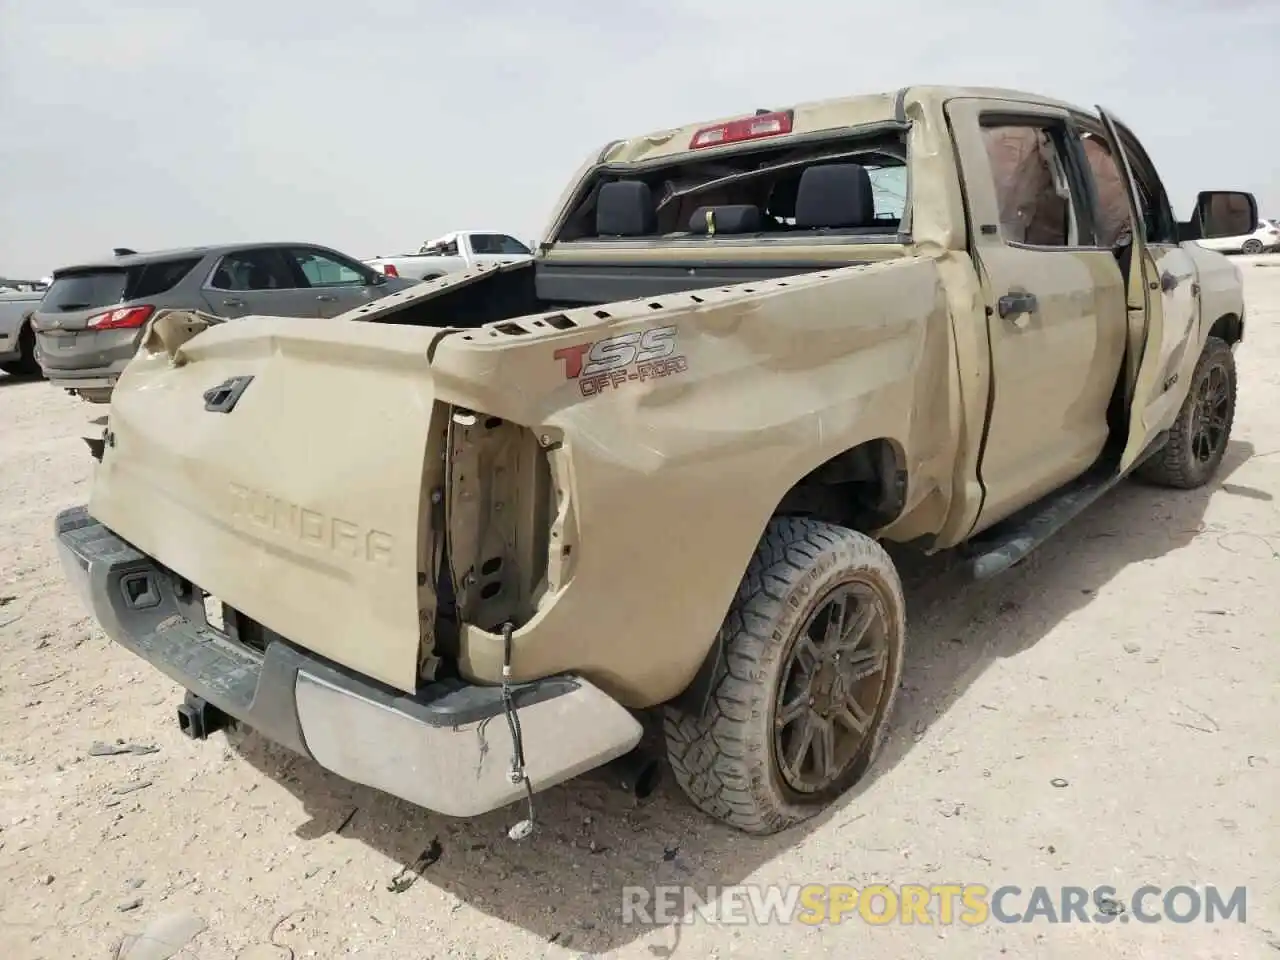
[390, 270]
[747, 128]
[122, 318]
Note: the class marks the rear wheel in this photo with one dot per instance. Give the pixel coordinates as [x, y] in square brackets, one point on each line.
[28, 362]
[1251, 246]
[813, 647]
[1198, 438]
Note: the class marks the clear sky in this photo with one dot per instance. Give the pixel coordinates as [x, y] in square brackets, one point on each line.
[372, 127]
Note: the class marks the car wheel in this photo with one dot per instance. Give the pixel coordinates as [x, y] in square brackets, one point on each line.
[28, 362]
[1198, 439]
[1252, 246]
[813, 650]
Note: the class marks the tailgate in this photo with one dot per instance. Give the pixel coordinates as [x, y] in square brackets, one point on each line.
[302, 506]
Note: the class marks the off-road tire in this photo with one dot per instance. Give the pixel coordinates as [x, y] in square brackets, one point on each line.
[27, 364]
[1252, 247]
[724, 758]
[1176, 464]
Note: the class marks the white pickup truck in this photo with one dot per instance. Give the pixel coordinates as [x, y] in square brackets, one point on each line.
[452, 253]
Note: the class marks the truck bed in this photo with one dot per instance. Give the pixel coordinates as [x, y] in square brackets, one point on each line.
[517, 290]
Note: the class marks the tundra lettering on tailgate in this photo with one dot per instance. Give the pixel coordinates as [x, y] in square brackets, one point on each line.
[269, 514]
[614, 361]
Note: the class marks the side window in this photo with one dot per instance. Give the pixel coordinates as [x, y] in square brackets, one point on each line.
[1112, 215]
[889, 188]
[252, 270]
[323, 270]
[153, 279]
[497, 244]
[1036, 204]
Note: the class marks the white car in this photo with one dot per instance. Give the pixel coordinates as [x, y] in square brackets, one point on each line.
[1266, 237]
[452, 253]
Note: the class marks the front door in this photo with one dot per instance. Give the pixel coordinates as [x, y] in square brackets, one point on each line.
[1164, 304]
[1054, 301]
[336, 284]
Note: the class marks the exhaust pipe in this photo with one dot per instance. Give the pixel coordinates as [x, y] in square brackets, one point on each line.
[639, 773]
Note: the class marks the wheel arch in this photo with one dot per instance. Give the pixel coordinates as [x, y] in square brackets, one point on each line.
[1229, 328]
[862, 487]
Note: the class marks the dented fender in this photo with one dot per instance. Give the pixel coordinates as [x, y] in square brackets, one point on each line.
[673, 426]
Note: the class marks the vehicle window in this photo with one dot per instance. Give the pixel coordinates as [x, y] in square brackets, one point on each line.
[854, 185]
[1032, 189]
[497, 244]
[889, 187]
[1159, 223]
[1112, 216]
[153, 279]
[322, 270]
[252, 270]
[86, 290]
[89, 289]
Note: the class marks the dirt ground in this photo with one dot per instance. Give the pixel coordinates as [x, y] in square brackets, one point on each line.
[1109, 713]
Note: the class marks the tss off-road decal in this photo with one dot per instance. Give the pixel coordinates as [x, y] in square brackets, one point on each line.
[614, 361]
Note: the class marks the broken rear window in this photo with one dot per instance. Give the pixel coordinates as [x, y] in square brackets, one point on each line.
[852, 187]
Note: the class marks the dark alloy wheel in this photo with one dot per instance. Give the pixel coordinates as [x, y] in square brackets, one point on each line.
[832, 686]
[1199, 436]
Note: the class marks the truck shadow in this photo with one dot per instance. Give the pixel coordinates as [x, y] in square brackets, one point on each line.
[565, 884]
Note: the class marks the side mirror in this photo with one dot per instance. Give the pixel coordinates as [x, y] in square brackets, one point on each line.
[377, 279]
[1224, 213]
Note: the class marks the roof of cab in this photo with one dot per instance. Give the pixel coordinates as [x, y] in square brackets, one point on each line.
[819, 115]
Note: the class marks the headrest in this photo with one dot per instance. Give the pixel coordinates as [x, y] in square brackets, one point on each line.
[726, 218]
[835, 195]
[625, 208]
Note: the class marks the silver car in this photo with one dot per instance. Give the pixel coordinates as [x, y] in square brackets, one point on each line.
[91, 318]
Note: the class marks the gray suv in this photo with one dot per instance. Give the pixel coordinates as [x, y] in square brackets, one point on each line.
[91, 318]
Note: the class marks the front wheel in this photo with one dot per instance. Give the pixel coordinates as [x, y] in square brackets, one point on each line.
[1198, 438]
[1252, 246]
[813, 647]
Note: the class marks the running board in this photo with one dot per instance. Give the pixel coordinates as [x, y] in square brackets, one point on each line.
[1009, 542]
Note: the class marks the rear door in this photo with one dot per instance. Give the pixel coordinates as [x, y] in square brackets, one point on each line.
[258, 281]
[337, 283]
[1164, 303]
[1054, 300]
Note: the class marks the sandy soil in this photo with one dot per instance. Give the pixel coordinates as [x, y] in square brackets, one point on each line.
[1131, 658]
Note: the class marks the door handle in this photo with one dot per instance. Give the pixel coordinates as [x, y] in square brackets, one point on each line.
[232, 302]
[1168, 282]
[224, 397]
[1013, 304]
[325, 298]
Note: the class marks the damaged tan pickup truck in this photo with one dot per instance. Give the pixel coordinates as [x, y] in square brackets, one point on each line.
[454, 550]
